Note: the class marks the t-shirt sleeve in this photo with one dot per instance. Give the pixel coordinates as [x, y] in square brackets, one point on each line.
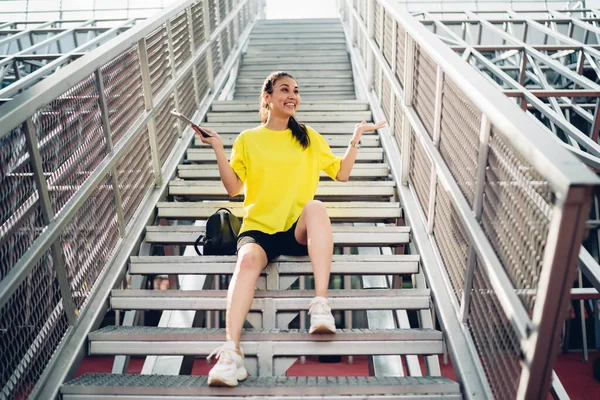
[237, 161]
[328, 163]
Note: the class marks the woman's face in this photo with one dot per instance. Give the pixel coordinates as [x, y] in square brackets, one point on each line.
[285, 99]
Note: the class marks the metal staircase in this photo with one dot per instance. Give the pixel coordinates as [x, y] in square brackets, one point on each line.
[366, 217]
[460, 206]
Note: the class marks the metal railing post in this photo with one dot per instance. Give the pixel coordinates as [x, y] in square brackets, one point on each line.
[109, 144]
[484, 141]
[143, 54]
[173, 72]
[47, 216]
[370, 36]
[437, 122]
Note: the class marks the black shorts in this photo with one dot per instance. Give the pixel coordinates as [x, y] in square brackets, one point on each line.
[276, 244]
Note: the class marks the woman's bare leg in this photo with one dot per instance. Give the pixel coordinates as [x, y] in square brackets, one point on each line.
[314, 230]
[251, 260]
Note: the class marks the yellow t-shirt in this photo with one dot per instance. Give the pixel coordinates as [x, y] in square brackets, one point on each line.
[279, 176]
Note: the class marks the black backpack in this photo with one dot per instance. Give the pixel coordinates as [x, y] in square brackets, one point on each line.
[222, 230]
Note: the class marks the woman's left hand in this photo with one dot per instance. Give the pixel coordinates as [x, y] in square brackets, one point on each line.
[363, 127]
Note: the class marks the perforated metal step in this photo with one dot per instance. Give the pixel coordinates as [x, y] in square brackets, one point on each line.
[156, 386]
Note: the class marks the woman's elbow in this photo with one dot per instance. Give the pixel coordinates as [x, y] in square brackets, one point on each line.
[342, 178]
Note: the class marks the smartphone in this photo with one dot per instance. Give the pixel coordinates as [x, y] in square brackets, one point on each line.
[189, 122]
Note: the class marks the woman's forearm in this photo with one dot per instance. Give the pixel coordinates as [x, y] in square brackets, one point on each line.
[347, 162]
[230, 180]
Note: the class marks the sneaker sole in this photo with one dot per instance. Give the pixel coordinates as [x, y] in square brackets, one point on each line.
[218, 381]
[323, 328]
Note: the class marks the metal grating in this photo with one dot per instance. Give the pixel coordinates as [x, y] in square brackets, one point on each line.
[135, 174]
[212, 9]
[376, 77]
[451, 240]
[20, 214]
[202, 76]
[424, 89]
[215, 48]
[400, 50]
[420, 173]
[225, 45]
[387, 38]
[187, 96]
[123, 90]
[459, 137]
[495, 340]
[398, 122]
[378, 23]
[166, 129]
[71, 139]
[32, 324]
[386, 97]
[159, 62]
[89, 240]
[516, 215]
[180, 32]
[198, 24]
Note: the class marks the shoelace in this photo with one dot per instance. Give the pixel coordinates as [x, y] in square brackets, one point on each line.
[223, 354]
[325, 310]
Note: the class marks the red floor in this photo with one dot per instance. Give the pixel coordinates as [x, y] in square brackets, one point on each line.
[575, 375]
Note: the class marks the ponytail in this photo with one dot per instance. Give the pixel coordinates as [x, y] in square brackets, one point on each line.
[299, 131]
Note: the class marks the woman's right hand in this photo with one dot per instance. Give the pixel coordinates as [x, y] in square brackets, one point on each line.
[214, 140]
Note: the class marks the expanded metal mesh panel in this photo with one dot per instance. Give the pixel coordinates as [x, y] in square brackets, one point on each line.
[159, 62]
[89, 240]
[386, 97]
[362, 7]
[378, 23]
[215, 48]
[32, 324]
[451, 240]
[123, 90]
[20, 214]
[71, 139]
[180, 33]
[202, 76]
[187, 96]
[376, 78]
[516, 215]
[166, 129]
[420, 173]
[400, 51]
[135, 174]
[212, 8]
[398, 122]
[459, 137]
[424, 89]
[222, 10]
[388, 40]
[198, 24]
[225, 45]
[495, 339]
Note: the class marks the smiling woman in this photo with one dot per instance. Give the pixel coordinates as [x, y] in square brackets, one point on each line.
[279, 164]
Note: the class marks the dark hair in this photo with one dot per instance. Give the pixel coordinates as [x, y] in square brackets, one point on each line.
[298, 130]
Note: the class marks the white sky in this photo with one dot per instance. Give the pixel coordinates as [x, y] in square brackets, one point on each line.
[287, 9]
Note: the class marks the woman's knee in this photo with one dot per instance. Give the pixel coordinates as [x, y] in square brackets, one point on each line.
[251, 258]
[315, 208]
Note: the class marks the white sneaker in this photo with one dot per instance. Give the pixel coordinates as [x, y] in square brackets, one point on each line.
[230, 367]
[321, 320]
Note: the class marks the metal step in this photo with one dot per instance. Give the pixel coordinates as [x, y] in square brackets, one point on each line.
[340, 128]
[322, 106]
[156, 387]
[304, 116]
[151, 340]
[342, 235]
[288, 300]
[347, 211]
[360, 171]
[340, 57]
[327, 190]
[283, 265]
[368, 154]
[332, 140]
